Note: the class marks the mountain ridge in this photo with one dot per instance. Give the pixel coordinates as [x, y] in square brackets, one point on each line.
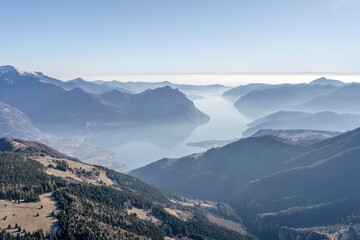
[96, 202]
[55, 109]
[275, 184]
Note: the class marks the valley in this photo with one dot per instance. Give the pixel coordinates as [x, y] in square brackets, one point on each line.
[180, 120]
[218, 170]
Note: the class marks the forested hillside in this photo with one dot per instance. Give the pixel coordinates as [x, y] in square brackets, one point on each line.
[98, 203]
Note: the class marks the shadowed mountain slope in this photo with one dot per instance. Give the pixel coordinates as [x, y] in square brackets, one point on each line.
[326, 121]
[14, 123]
[262, 102]
[221, 174]
[342, 100]
[54, 109]
[273, 183]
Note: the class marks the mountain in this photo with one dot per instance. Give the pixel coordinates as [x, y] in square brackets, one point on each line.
[322, 189]
[46, 79]
[328, 121]
[57, 110]
[278, 116]
[68, 199]
[69, 85]
[295, 136]
[258, 103]
[95, 88]
[14, 123]
[259, 99]
[221, 174]
[326, 81]
[50, 107]
[342, 100]
[19, 145]
[116, 98]
[188, 89]
[281, 189]
[151, 106]
[235, 93]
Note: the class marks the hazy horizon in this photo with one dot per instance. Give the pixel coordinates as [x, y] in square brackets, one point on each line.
[225, 79]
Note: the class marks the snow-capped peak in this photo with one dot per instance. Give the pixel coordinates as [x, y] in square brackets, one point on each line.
[7, 69]
[11, 69]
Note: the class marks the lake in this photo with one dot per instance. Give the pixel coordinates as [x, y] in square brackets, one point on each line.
[143, 145]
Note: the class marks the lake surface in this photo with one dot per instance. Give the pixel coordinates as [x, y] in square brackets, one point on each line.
[141, 146]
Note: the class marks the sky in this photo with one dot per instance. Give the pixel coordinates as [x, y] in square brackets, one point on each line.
[96, 39]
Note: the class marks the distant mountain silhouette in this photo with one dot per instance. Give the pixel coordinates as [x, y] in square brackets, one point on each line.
[163, 104]
[326, 81]
[116, 98]
[262, 102]
[279, 116]
[342, 100]
[94, 87]
[55, 109]
[329, 121]
[323, 94]
[138, 87]
[235, 93]
[150, 106]
[49, 105]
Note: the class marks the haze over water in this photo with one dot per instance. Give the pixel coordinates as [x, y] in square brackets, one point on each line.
[141, 146]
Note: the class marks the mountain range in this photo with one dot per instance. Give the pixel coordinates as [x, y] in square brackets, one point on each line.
[56, 106]
[151, 106]
[188, 89]
[280, 188]
[261, 102]
[258, 100]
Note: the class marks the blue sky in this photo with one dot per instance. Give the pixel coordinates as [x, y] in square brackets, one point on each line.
[65, 38]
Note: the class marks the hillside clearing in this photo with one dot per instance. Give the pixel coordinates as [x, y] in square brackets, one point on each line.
[183, 215]
[237, 227]
[76, 170]
[144, 214]
[24, 214]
